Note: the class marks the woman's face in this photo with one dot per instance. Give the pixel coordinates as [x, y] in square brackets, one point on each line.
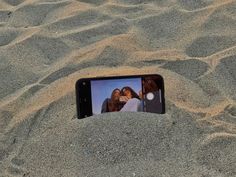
[127, 93]
[116, 94]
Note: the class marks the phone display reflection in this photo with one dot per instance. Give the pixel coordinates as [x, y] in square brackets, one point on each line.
[142, 94]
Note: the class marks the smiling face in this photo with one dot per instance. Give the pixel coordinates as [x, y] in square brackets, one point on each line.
[127, 93]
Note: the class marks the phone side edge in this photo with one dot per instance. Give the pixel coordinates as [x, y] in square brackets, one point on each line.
[78, 97]
[163, 94]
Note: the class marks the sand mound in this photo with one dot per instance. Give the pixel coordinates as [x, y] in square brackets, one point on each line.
[46, 46]
[119, 144]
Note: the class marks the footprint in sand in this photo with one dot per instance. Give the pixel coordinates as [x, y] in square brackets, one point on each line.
[231, 109]
[4, 16]
[3, 154]
[17, 162]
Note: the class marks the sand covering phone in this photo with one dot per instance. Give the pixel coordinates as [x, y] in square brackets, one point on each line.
[98, 95]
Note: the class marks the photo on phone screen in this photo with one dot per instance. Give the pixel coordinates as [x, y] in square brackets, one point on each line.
[120, 94]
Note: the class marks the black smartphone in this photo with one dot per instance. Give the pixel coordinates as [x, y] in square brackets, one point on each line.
[98, 95]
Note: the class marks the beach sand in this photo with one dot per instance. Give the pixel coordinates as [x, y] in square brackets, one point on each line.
[46, 46]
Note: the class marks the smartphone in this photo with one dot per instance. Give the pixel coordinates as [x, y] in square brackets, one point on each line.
[134, 93]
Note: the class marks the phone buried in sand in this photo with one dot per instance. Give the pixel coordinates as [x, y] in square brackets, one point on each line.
[134, 93]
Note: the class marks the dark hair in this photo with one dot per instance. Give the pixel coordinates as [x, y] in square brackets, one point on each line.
[113, 105]
[113, 92]
[150, 85]
[133, 93]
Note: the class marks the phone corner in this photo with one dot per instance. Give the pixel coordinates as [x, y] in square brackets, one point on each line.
[77, 83]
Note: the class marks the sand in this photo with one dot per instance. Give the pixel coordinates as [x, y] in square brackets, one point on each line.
[46, 46]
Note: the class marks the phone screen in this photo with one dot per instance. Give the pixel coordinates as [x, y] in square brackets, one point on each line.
[121, 94]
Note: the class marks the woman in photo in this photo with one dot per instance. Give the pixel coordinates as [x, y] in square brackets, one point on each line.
[112, 104]
[133, 102]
